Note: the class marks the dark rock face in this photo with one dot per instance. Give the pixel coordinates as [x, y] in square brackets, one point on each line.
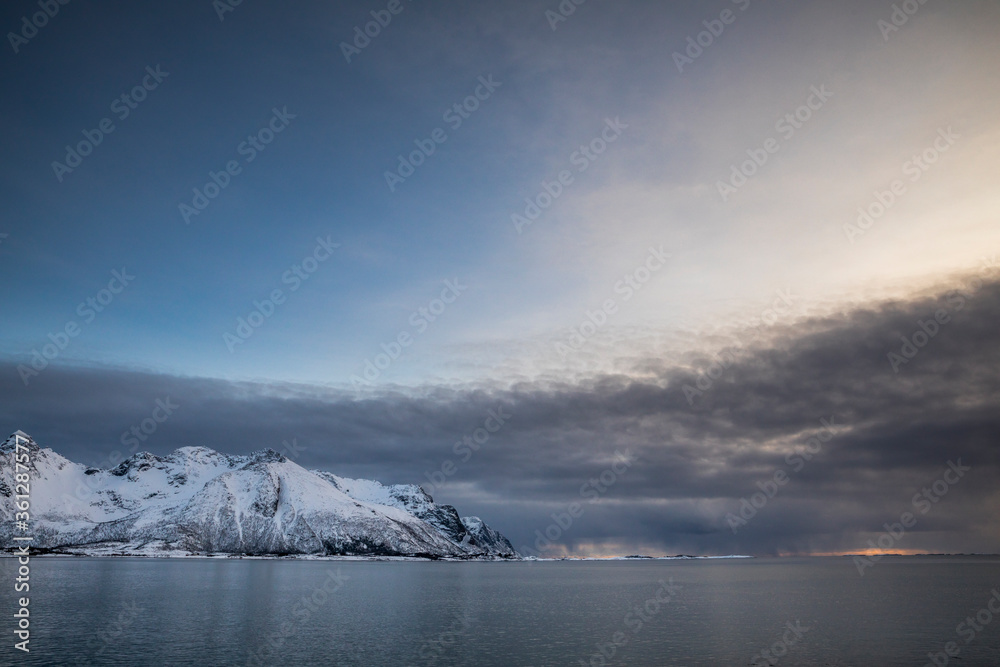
[488, 539]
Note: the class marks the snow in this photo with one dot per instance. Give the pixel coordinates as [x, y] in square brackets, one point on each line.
[197, 500]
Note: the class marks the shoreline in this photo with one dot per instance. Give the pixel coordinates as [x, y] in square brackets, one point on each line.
[319, 557]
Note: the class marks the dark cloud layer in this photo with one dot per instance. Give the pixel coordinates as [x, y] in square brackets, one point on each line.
[893, 435]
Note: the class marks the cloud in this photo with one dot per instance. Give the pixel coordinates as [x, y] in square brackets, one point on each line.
[697, 455]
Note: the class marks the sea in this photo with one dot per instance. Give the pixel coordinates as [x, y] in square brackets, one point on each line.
[920, 610]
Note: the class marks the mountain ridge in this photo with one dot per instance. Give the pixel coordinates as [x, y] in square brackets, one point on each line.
[197, 501]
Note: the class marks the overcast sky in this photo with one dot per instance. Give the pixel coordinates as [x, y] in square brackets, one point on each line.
[619, 200]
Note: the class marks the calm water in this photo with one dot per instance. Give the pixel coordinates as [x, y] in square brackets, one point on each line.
[221, 612]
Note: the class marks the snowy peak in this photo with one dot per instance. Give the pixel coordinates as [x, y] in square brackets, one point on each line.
[267, 456]
[18, 437]
[197, 500]
[137, 463]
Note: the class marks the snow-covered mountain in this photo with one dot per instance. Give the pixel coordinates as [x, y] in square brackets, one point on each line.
[199, 501]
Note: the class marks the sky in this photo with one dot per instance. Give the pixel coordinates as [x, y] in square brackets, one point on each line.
[681, 242]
